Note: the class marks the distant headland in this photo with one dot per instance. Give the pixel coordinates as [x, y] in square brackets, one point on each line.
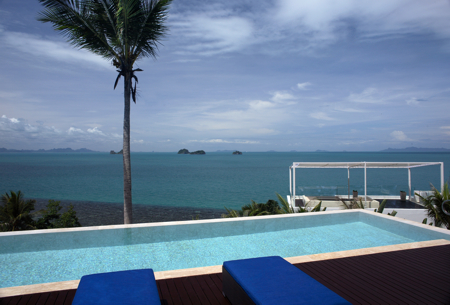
[53, 150]
[184, 151]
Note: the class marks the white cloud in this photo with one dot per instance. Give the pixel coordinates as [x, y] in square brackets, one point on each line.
[73, 130]
[303, 86]
[219, 141]
[327, 20]
[260, 105]
[351, 110]
[281, 97]
[40, 47]
[321, 116]
[213, 32]
[13, 131]
[368, 96]
[138, 141]
[19, 126]
[414, 101]
[264, 131]
[400, 136]
[95, 130]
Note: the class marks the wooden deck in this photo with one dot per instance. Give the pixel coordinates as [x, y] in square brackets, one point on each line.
[416, 276]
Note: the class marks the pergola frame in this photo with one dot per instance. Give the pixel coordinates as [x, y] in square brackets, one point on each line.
[365, 165]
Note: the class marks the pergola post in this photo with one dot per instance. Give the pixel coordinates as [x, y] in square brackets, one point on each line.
[442, 177]
[365, 183]
[290, 184]
[348, 178]
[293, 186]
[409, 182]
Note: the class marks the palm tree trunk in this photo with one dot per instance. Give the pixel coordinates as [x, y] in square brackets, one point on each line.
[127, 204]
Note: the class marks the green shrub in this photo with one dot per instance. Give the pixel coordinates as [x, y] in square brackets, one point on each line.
[435, 206]
[16, 214]
[51, 217]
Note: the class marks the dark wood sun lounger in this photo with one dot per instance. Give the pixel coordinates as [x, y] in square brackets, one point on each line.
[121, 287]
[273, 280]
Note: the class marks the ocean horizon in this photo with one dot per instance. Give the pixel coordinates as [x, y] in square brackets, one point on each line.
[215, 180]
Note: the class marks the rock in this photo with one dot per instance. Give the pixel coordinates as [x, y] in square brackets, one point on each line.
[183, 151]
[237, 152]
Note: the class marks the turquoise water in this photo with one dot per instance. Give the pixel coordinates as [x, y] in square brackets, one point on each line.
[213, 180]
[26, 268]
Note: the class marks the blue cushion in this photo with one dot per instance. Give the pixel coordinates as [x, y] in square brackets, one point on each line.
[273, 280]
[122, 287]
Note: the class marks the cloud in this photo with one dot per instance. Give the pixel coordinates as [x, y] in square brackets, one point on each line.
[303, 86]
[220, 141]
[73, 130]
[20, 125]
[325, 21]
[351, 110]
[16, 130]
[321, 116]
[260, 105]
[446, 130]
[368, 96]
[400, 136]
[212, 32]
[37, 46]
[95, 130]
[282, 97]
[414, 101]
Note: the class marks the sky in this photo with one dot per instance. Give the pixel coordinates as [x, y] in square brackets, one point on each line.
[248, 75]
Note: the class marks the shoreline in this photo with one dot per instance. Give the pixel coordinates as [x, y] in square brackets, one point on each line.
[92, 213]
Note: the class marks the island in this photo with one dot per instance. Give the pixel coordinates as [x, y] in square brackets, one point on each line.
[184, 151]
[237, 152]
[112, 152]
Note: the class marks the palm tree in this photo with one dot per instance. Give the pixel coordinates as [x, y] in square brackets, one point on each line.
[121, 31]
[15, 212]
[437, 206]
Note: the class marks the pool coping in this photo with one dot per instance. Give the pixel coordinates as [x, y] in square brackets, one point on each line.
[216, 220]
[57, 286]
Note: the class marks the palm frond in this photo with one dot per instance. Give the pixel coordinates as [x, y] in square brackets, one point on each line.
[285, 206]
[81, 23]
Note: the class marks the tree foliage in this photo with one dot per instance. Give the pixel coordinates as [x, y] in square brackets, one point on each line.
[52, 218]
[16, 214]
[271, 207]
[436, 206]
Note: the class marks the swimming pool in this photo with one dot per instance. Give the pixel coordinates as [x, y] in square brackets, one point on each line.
[60, 255]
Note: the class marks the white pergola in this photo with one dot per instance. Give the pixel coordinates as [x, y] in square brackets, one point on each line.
[365, 165]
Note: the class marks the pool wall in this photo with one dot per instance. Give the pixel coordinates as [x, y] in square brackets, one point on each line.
[406, 228]
[118, 235]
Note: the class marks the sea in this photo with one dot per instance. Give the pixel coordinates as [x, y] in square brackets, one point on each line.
[214, 180]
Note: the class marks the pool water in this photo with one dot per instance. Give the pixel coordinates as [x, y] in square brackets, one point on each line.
[26, 268]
